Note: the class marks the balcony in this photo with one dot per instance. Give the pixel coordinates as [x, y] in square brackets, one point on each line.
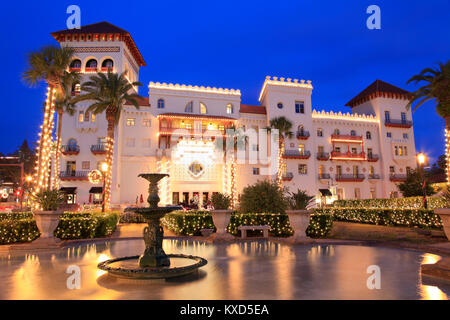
[302, 135]
[324, 176]
[350, 177]
[372, 157]
[397, 177]
[348, 156]
[346, 138]
[398, 123]
[73, 175]
[203, 131]
[98, 149]
[288, 176]
[70, 150]
[106, 69]
[75, 69]
[91, 69]
[323, 156]
[296, 154]
[374, 176]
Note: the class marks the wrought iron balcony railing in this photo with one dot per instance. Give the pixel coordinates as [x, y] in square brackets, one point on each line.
[350, 177]
[302, 135]
[98, 148]
[324, 176]
[323, 156]
[398, 123]
[296, 154]
[73, 174]
[288, 176]
[70, 149]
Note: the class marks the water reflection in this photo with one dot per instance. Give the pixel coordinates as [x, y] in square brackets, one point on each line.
[246, 270]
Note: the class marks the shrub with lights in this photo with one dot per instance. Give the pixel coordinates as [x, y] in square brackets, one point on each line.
[421, 218]
[189, 223]
[86, 225]
[406, 203]
[18, 230]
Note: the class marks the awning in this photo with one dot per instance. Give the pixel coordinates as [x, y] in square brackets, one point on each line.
[96, 190]
[325, 192]
[72, 190]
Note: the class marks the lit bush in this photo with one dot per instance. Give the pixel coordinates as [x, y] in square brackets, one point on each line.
[188, 223]
[86, 225]
[406, 203]
[421, 218]
[18, 230]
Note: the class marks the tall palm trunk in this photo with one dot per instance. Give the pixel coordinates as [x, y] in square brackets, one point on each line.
[110, 118]
[280, 163]
[447, 148]
[58, 150]
[42, 174]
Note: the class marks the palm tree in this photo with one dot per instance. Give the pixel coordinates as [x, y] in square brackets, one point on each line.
[46, 64]
[437, 87]
[63, 103]
[284, 127]
[109, 92]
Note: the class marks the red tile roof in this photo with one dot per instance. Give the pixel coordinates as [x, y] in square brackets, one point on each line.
[245, 108]
[142, 101]
[103, 28]
[379, 89]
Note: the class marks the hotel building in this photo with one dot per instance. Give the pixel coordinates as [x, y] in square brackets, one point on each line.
[360, 154]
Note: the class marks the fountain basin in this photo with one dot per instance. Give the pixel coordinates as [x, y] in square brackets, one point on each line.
[128, 267]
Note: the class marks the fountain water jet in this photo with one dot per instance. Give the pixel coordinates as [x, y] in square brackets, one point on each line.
[154, 263]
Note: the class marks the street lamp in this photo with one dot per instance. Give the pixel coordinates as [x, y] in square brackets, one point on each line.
[104, 168]
[421, 159]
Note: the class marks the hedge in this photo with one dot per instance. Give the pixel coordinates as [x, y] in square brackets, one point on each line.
[406, 203]
[421, 218]
[15, 215]
[86, 225]
[188, 224]
[191, 224]
[18, 230]
[131, 217]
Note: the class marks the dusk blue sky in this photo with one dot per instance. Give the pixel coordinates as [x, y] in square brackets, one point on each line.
[236, 44]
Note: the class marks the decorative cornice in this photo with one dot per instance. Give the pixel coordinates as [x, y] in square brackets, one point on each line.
[343, 116]
[285, 82]
[183, 87]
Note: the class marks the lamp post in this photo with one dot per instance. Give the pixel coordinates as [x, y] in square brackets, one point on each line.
[421, 158]
[104, 169]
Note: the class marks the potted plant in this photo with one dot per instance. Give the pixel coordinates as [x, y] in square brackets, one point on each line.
[221, 216]
[299, 215]
[47, 219]
[444, 213]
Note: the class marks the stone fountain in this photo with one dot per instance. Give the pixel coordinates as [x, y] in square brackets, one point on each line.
[154, 263]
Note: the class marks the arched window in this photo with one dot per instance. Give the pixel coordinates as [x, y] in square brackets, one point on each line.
[72, 145]
[203, 109]
[337, 132]
[230, 108]
[107, 65]
[368, 135]
[280, 105]
[75, 65]
[91, 65]
[319, 132]
[353, 133]
[161, 104]
[189, 107]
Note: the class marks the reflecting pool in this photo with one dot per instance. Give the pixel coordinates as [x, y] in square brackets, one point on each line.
[244, 270]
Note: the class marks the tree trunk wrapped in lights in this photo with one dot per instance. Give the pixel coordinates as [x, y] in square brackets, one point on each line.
[44, 149]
